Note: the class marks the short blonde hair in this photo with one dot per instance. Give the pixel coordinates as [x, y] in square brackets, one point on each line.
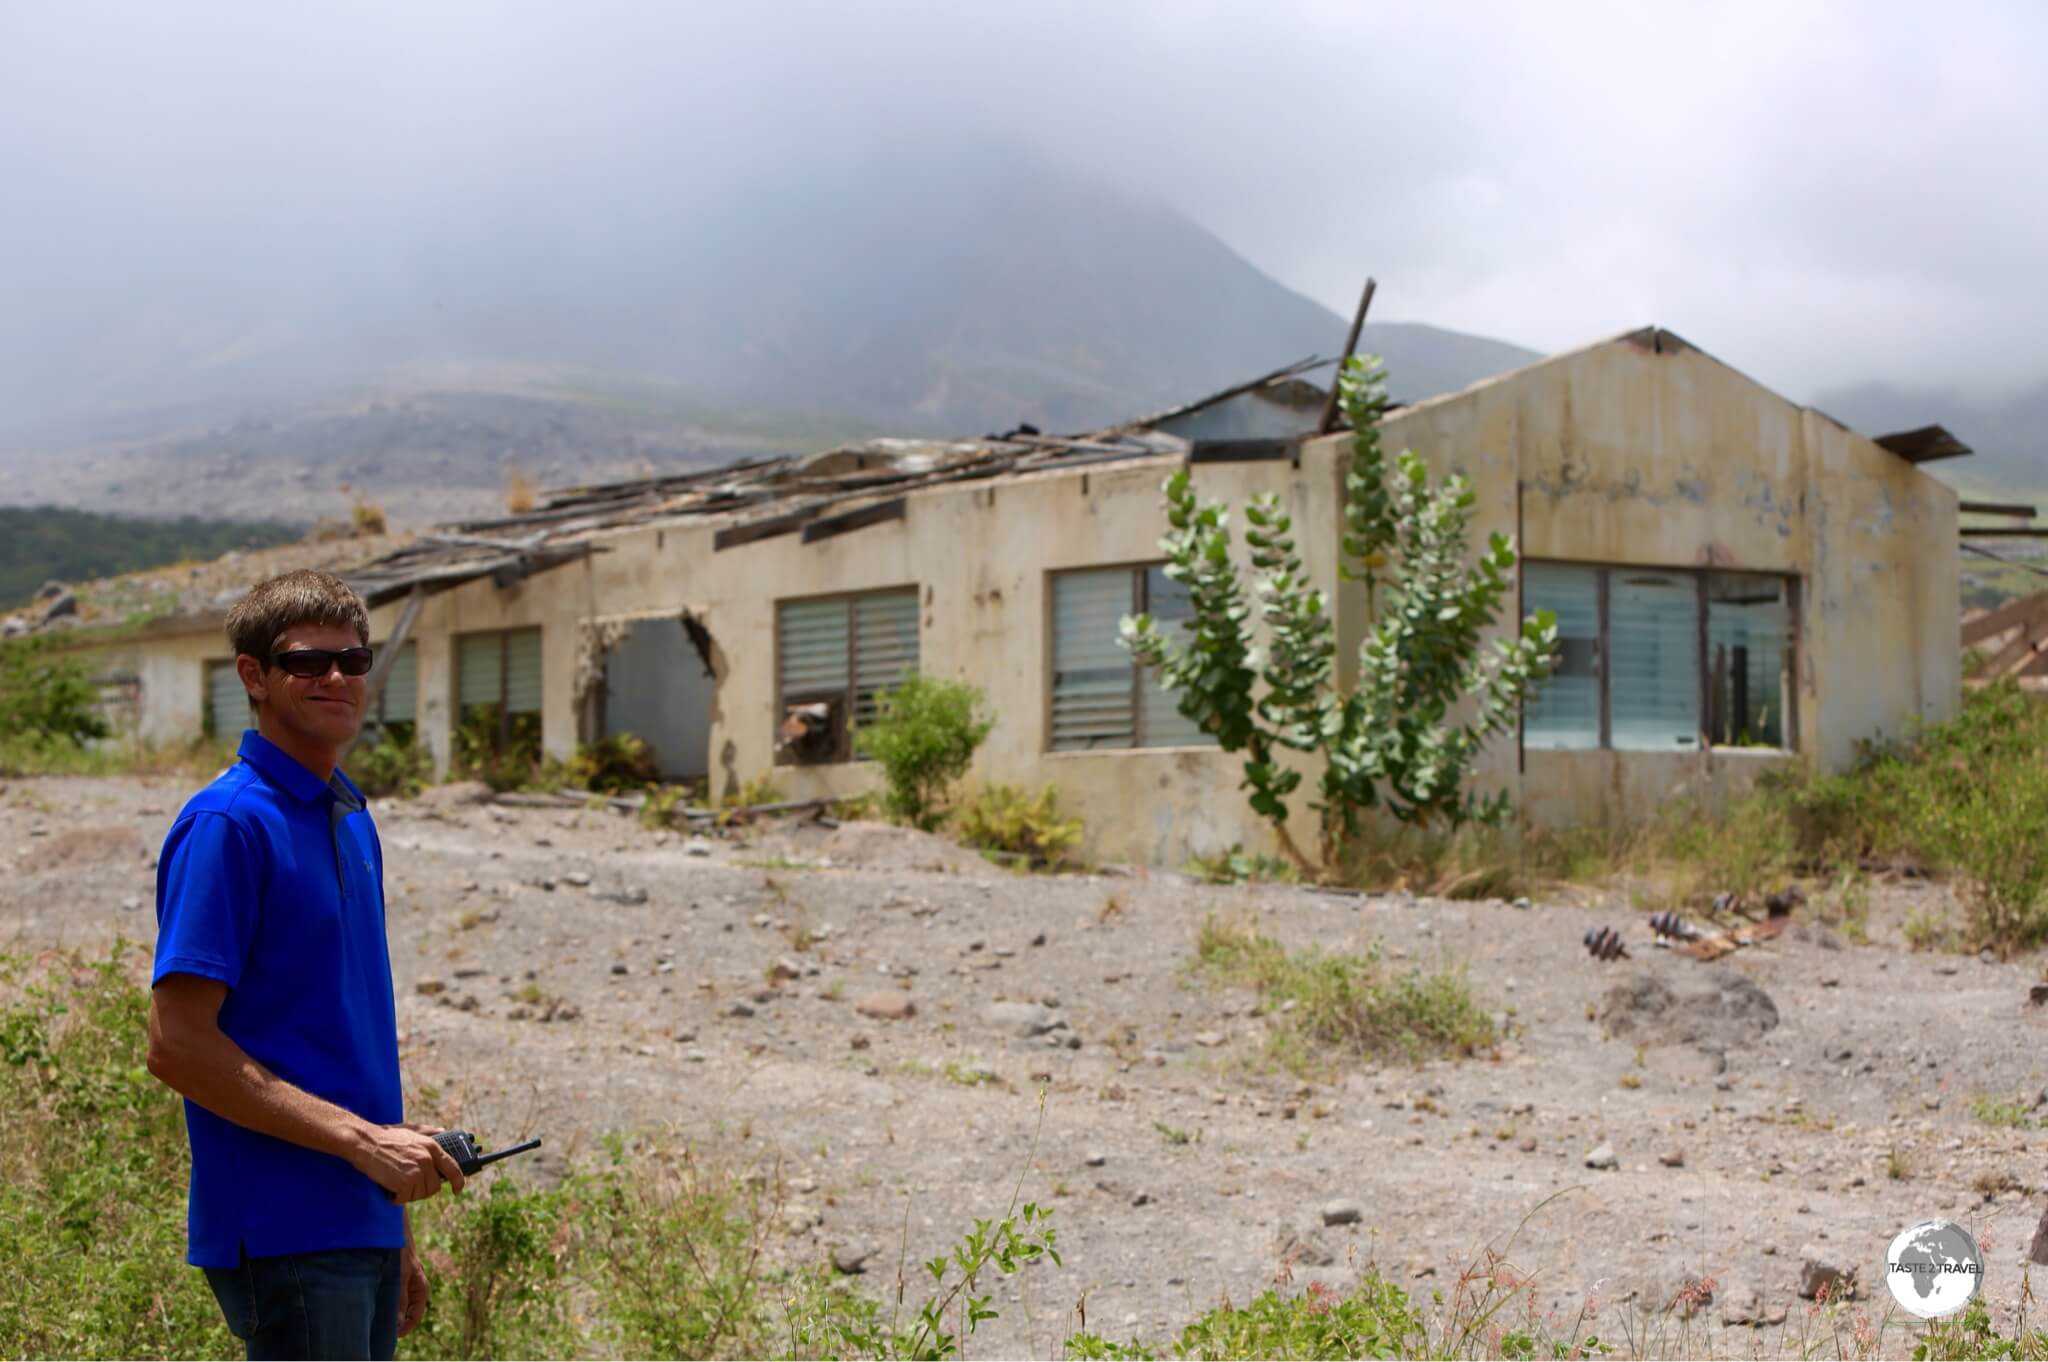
[260, 618]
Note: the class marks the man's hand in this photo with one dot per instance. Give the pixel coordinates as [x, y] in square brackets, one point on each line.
[405, 1162]
[412, 1291]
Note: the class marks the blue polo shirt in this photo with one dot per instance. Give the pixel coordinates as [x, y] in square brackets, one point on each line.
[272, 882]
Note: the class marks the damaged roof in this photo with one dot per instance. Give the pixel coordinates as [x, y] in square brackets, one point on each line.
[833, 490]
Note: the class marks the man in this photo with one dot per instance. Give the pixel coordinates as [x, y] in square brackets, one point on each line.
[272, 1009]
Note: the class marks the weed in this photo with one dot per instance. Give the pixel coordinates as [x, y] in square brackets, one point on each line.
[1112, 907]
[1924, 929]
[658, 809]
[1173, 1135]
[1631, 1081]
[1898, 1165]
[1005, 820]
[1235, 867]
[1347, 1004]
[2007, 1115]
[392, 765]
[971, 1075]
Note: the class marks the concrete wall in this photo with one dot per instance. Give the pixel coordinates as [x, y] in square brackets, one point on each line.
[1638, 452]
[1646, 452]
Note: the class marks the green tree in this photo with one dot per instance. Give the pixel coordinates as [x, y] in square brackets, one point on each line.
[924, 734]
[46, 697]
[1428, 696]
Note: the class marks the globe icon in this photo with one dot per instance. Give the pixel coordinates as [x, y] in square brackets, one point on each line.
[1934, 1268]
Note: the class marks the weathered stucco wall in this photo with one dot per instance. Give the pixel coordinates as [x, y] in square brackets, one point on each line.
[1638, 452]
[1645, 452]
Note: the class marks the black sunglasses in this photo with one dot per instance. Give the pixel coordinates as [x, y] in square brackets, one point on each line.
[310, 663]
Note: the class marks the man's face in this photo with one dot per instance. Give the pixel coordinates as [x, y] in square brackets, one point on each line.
[326, 710]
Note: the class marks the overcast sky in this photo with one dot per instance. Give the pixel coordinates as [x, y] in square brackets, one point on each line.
[1817, 193]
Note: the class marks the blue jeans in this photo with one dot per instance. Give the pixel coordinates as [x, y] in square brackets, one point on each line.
[341, 1303]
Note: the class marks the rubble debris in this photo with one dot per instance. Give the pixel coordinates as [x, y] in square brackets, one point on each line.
[1669, 924]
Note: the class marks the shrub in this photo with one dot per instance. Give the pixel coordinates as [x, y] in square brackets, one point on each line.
[502, 756]
[45, 697]
[496, 1264]
[394, 764]
[1376, 1319]
[613, 765]
[1428, 696]
[1004, 819]
[1343, 1004]
[93, 1170]
[924, 734]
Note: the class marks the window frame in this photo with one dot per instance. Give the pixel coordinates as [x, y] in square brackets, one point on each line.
[505, 716]
[842, 752]
[1139, 571]
[1701, 579]
[375, 725]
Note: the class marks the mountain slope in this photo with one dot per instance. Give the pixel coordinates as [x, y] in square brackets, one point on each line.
[938, 283]
[2008, 435]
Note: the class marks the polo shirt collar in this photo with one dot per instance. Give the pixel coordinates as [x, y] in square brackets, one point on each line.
[281, 769]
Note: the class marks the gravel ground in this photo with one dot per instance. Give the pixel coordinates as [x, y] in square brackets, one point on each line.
[565, 973]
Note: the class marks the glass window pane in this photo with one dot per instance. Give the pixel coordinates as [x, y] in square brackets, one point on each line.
[478, 674]
[227, 702]
[1566, 711]
[1160, 723]
[399, 701]
[884, 647]
[522, 671]
[1091, 671]
[1748, 635]
[1653, 628]
[813, 646]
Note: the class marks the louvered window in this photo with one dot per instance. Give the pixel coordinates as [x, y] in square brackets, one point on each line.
[500, 672]
[843, 652]
[397, 706]
[1101, 697]
[227, 703]
[1661, 660]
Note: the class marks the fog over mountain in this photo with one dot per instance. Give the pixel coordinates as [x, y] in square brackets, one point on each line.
[329, 239]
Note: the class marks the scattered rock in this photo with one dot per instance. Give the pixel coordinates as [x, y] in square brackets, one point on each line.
[1210, 1039]
[1717, 1010]
[1142, 1199]
[133, 903]
[785, 968]
[860, 1042]
[459, 794]
[1021, 1019]
[1602, 1156]
[621, 968]
[1740, 1306]
[1527, 1144]
[1095, 1158]
[1817, 1272]
[1342, 1212]
[886, 1005]
[64, 604]
[697, 846]
[852, 1259]
[740, 1010]
[1304, 1245]
[579, 878]
[1672, 1158]
[429, 986]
